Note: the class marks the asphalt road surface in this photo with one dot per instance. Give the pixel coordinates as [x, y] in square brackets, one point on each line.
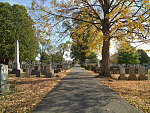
[80, 92]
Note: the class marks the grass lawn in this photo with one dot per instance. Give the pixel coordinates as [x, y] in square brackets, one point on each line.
[135, 92]
[27, 92]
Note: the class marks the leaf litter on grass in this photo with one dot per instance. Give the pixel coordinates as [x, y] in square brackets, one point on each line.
[28, 93]
[135, 92]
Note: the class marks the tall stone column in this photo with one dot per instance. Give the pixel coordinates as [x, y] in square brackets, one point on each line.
[16, 68]
[17, 64]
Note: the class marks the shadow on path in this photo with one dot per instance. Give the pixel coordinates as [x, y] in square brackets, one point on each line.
[82, 93]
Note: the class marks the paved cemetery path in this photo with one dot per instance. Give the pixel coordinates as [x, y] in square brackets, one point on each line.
[82, 93]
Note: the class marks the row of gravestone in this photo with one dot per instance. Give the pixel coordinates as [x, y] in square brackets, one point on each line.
[38, 70]
[116, 70]
[122, 71]
[41, 70]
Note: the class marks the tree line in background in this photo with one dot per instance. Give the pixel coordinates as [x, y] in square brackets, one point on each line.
[16, 24]
[130, 55]
[53, 53]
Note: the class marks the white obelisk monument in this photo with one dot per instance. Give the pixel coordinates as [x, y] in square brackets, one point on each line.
[17, 64]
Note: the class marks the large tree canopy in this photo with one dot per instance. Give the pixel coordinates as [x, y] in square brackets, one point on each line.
[117, 20]
[16, 24]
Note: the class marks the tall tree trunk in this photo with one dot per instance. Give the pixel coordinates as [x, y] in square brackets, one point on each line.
[105, 71]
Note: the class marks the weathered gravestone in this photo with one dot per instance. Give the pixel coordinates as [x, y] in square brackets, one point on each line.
[28, 71]
[42, 69]
[47, 70]
[4, 86]
[142, 72]
[122, 74]
[132, 75]
[36, 71]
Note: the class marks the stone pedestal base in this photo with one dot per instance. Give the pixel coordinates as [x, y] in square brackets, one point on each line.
[132, 78]
[143, 77]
